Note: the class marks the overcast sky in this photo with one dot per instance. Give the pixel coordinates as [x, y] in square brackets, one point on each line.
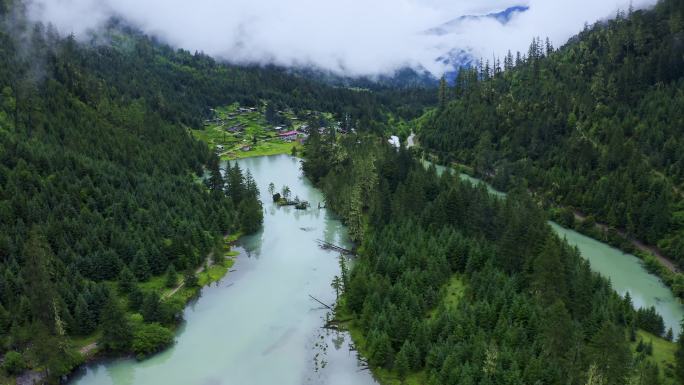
[352, 37]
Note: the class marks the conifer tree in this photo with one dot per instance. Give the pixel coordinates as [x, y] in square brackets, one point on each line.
[117, 335]
[171, 276]
[679, 356]
[442, 92]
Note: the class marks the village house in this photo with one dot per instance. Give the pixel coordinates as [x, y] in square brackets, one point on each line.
[288, 135]
[235, 129]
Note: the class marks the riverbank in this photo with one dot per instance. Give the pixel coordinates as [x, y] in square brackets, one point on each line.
[260, 316]
[209, 272]
[347, 322]
[264, 148]
[636, 244]
[653, 260]
[87, 346]
[646, 346]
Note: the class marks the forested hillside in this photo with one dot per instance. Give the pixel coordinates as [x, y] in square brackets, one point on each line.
[100, 190]
[453, 285]
[596, 125]
[102, 187]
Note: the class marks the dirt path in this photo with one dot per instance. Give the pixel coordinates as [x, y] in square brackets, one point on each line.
[182, 282]
[86, 350]
[635, 242]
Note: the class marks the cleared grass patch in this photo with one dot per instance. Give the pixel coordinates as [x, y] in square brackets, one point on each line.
[452, 293]
[156, 283]
[79, 343]
[663, 354]
[233, 238]
[263, 148]
[215, 272]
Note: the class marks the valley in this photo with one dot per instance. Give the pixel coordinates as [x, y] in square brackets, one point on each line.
[252, 193]
[260, 315]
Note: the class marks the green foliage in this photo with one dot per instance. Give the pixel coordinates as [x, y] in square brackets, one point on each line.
[14, 363]
[679, 357]
[649, 320]
[171, 277]
[462, 286]
[126, 280]
[191, 279]
[610, 353]
[116, 329]
[594, 125]
[152, 309]
[150, 338]
[99, 182]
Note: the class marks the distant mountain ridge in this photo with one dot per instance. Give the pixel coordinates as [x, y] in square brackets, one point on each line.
[453, 59]
[502, 17]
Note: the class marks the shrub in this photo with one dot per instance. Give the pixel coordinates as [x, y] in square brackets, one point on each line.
[150, 338]
[14, 363]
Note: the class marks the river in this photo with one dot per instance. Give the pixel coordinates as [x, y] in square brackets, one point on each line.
[258, 325]
[624, 270]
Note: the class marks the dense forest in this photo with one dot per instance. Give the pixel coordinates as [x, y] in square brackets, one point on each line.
[102, 188]
[182, 86]
[595, 125]
[456, 286]
[104, 193]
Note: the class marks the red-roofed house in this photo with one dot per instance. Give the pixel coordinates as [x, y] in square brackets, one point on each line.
[288, 135]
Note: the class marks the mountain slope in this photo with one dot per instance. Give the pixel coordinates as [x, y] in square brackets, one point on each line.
[596, 125]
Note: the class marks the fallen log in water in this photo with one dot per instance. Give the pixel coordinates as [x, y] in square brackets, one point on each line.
[330, 246]
[322, 303]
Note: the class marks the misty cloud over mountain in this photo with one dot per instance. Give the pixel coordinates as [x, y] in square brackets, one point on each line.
[351, 37]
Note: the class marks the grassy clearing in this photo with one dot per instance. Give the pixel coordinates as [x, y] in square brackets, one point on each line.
[79, 343]
[663, 350]
[157, 283]
[452, 293]
[232, 238]
[274, 147]
[215, 272]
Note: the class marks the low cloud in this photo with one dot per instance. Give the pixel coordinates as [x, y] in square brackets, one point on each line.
[350, 37]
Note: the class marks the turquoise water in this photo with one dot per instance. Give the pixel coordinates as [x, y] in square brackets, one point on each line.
[258, 325]
[625, 271]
